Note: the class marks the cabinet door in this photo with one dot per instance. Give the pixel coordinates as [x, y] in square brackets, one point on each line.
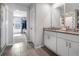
[62, 47]
[52, 42]
[74, 49]
[46, 40]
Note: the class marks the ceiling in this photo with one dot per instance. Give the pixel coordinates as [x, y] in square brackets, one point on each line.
[24, 4]
[21, 4]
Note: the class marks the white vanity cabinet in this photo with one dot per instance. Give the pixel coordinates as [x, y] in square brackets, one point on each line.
[61, 43]
[50, 40]
[67, 44]
[62, 47]
[74, 49]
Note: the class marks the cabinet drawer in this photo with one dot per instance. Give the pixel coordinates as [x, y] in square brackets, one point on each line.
[69, 37]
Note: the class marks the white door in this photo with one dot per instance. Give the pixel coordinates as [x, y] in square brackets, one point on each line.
[62, 47]
[74, 49]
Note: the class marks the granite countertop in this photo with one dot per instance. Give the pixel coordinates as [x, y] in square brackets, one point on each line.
[62, 31]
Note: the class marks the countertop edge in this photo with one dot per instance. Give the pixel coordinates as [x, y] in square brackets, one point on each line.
[60, 31]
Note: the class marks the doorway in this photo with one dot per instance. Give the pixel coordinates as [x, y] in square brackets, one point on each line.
[19, 26]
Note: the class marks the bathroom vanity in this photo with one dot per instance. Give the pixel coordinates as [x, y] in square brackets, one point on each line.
[60, 41]
[64, 43]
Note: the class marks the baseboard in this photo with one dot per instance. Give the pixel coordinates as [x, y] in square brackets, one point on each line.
[38, 46]
[2, 50]
[50, 52]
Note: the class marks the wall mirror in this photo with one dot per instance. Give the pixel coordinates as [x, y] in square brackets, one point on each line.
[61, 10]
[72, 15]
[58, 15]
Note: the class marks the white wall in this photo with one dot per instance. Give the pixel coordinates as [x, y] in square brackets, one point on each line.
[0, 26]
[55, 17]
[45, 11]
[3, 36]
[3, 26]
[43, 19]
[32, 23]
[11, 8]
[41, 16]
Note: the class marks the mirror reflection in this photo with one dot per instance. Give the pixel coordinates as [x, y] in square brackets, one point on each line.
[72, 15]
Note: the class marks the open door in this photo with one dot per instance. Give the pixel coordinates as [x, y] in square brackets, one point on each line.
[19, 26]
